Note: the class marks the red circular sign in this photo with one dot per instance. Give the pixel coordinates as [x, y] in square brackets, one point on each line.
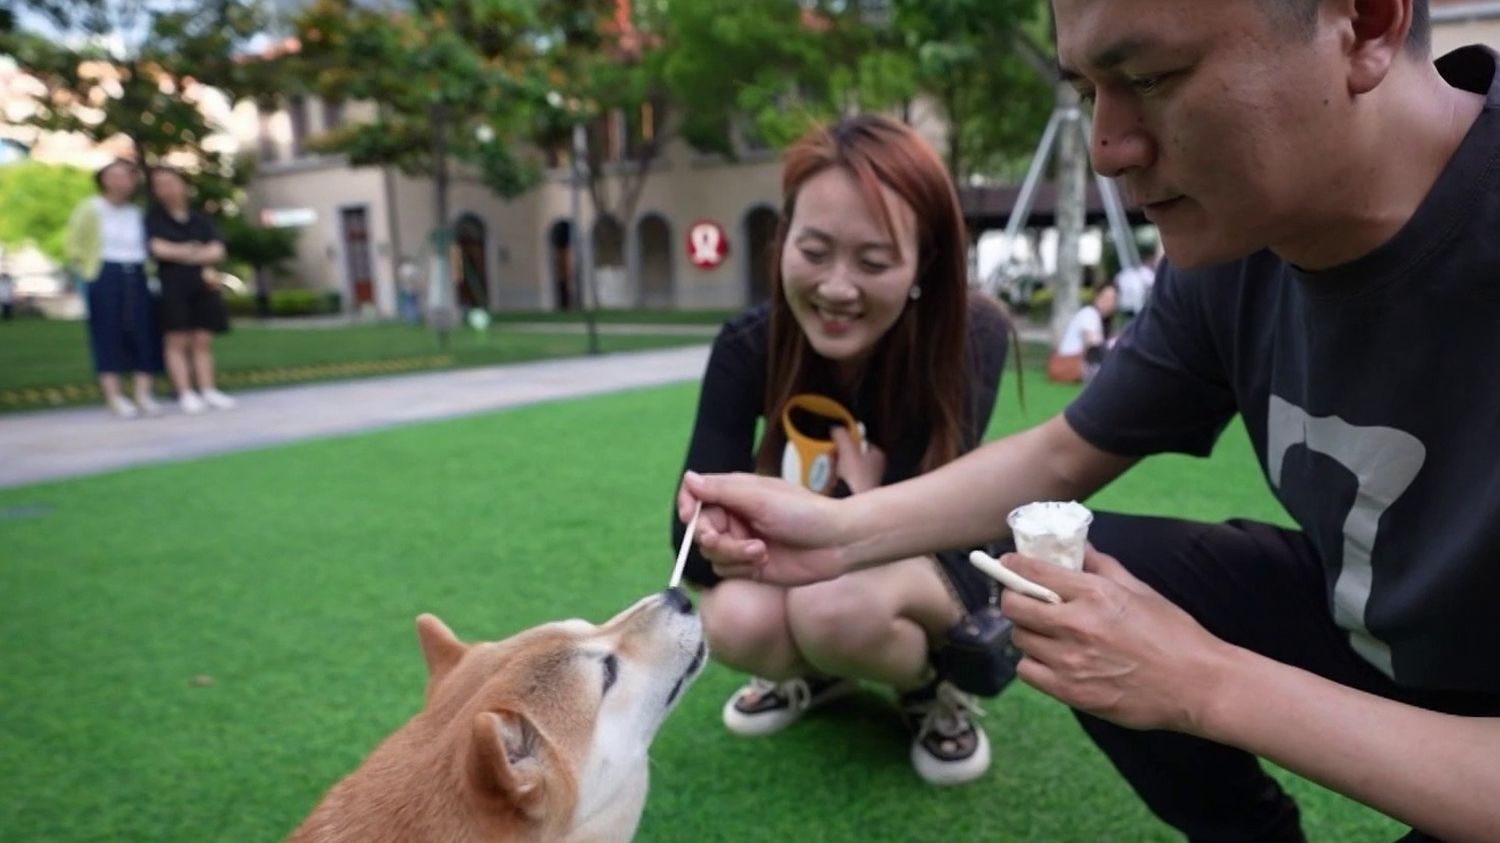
[706, 244]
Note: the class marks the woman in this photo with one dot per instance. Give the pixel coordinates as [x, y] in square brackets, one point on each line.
[871, 308]
[183, 241]
[1081, 349]
[106, 249]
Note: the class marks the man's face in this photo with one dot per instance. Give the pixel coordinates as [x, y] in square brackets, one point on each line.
[1221, 121]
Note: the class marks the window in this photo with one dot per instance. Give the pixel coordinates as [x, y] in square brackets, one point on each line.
[643, 129]
[333, 114]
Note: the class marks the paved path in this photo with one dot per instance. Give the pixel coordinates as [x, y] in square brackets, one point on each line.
[53, 444]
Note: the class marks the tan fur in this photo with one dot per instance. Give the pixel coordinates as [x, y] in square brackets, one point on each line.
[518, 741]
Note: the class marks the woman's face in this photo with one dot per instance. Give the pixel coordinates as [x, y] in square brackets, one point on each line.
[168, 188]
[844, 278]
[119, 181]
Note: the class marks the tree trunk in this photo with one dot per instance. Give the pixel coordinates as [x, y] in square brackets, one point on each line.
[1072, 181]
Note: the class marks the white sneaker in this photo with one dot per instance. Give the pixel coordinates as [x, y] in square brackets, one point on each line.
[191, 403]
[148, 405]
[763, 707]
[949, 746]
[122, 408]
[218, 400]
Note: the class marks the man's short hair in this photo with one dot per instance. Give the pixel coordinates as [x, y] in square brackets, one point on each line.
[1304, 14]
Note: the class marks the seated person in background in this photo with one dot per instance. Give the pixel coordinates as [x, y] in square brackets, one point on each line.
[1081, 350]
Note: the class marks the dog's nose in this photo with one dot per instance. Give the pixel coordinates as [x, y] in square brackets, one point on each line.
[678, 600]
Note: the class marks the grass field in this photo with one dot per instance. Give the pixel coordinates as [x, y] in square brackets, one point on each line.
[195, 652]
[39, 355]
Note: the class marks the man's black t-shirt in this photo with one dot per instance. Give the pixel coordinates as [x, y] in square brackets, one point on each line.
[1368, 392]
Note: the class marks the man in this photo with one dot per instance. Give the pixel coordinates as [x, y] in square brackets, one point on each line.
[1327, 200]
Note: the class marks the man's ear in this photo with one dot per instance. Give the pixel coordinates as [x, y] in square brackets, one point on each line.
[440, 647]
[1377, 30]
[506, 761]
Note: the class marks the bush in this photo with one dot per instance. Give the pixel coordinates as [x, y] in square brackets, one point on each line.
[289, 303]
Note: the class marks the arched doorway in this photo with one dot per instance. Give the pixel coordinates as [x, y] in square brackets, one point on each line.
[654, 242]
[760, 236]
[470, 269]
[611, 282]
[560, 259]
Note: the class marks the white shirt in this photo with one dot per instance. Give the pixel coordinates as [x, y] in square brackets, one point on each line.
[1085, 323]
[122, 232]
[1135, 287]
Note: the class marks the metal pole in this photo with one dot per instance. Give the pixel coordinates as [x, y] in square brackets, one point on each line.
[582, 247]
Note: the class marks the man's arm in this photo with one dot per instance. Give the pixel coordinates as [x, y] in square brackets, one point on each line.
[966, 501]
[776, 532]
[1117, 649]
[1436, 772]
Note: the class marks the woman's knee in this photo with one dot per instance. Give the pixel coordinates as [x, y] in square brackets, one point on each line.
[837, 617]
[744, 621]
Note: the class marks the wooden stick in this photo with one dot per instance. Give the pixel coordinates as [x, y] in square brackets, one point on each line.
[1010, 579]
[687, 542]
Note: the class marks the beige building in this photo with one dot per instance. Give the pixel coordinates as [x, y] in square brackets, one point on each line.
[359, 224]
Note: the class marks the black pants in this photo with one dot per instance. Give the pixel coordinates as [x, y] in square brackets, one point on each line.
[1262, 588]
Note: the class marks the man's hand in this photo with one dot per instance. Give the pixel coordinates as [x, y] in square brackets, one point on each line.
[1114, 647]
[764, 528]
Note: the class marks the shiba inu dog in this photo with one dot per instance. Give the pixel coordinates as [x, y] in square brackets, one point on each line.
[541, 737]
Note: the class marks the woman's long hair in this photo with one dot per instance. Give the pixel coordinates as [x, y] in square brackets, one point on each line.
[917, 371]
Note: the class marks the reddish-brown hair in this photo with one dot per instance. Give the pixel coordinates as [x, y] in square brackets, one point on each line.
[918, 367]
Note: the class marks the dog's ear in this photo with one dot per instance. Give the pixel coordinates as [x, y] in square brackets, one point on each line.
[440, 647]
[506, 761]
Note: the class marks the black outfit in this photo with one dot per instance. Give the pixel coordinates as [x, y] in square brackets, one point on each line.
[732, 401]
[1363, 390]
[188, 303]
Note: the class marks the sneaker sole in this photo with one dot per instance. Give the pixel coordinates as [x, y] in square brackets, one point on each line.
[769, 723]
[950, 773]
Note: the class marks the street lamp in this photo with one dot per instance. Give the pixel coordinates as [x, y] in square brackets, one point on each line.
[582, 247]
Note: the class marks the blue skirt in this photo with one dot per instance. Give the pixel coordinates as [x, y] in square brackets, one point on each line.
[122, 321]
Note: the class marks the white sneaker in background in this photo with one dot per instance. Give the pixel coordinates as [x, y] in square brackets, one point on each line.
[122, 408]
[218, 400]
[192, 403]
[148, 405]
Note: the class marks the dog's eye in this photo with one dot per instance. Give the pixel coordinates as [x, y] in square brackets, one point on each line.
[611, 671]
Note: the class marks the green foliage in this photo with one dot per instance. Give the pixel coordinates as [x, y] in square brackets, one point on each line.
[288, 303]
[261, 247]
[458, 79]
[37, 199]
[769, 69]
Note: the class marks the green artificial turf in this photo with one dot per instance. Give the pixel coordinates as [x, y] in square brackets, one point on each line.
[197, 651]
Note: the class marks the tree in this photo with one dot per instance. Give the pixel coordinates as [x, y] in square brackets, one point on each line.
[38, 199]
[137, 69]
[263, 248]
[771, 68]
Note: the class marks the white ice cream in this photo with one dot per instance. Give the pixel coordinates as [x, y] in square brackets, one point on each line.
[1052, 531]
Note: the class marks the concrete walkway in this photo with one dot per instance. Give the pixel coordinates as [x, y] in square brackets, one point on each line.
[54, 444]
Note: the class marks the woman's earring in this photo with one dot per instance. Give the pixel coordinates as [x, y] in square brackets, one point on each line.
[916, 292]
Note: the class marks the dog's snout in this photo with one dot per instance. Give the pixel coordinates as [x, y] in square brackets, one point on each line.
[677, 599]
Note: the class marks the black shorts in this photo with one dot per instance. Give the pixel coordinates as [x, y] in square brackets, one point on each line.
[192, 305]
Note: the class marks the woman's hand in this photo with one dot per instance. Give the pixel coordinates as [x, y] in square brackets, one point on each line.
[861, 467]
